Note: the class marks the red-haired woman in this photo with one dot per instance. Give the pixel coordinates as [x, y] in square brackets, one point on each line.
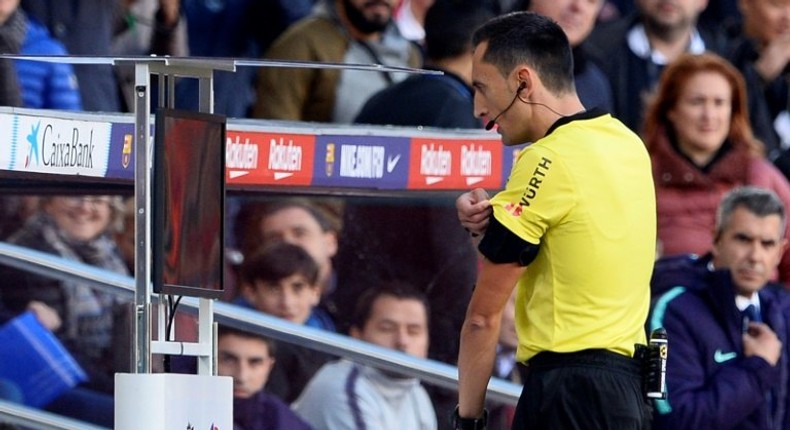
[701, 143]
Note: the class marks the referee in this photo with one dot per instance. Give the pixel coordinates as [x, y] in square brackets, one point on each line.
[574, 231]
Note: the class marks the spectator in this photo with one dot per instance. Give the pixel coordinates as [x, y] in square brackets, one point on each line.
[91, 324]
[147, 27]
[10, 43]
[344, 394]
[281, 279]
[150, 27]
[615, 9]
[721, 14]
[762, 53]
[85, 27]
[270, 18]
[724, 371]
[43, 85]
[430, 100]
[577, 19]
[300, 222]
[236, 29]
[437, 257]
[75, 228]
[14, 211]
[410, 18]
[634, 50]
[249, 358]
[701, 145]
[339, 31]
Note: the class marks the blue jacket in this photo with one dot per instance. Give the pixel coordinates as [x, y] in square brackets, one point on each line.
[710, 384]
[85, 27]
[265, 412]
[46, 85]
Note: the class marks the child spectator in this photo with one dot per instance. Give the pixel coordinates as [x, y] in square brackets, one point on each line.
[281, 279]
[249, 359]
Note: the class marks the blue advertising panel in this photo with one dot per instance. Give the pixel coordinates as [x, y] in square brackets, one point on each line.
[121, 161]
[361, 161]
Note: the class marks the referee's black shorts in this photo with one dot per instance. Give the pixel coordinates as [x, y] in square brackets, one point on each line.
[591, 389]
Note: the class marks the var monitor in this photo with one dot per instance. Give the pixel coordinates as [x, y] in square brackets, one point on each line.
[189, 203]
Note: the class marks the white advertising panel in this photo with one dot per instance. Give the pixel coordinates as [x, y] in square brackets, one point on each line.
[60, 146]
[6, 139]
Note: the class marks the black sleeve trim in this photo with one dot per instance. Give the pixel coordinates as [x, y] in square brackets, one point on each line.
[501, 245]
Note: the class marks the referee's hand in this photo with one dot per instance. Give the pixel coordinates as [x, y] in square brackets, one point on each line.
[474, 208]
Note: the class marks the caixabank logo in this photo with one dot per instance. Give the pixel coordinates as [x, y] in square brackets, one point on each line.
[261, 158]
[62, 146]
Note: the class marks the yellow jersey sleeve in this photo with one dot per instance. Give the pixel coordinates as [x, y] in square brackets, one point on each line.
[538, 194]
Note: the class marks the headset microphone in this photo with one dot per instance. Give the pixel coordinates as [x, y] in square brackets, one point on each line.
[492, 123]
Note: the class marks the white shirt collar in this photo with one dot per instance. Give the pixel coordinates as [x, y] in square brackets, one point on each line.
[742, 302]
[640, 45]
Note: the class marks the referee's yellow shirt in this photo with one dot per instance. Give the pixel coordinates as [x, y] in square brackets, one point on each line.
[584, 193]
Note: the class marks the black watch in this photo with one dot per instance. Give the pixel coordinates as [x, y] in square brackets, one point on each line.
[479, 423]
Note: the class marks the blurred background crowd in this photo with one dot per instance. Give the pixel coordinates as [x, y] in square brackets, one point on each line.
[704, 83]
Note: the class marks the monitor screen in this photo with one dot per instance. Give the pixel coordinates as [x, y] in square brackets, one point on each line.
[189, 203]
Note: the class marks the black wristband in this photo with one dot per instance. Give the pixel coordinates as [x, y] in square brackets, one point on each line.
[479, 423]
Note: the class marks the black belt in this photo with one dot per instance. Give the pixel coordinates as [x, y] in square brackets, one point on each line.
[601, 357]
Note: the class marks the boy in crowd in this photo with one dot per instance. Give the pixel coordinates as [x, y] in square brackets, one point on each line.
[281, 279]
[249, 359]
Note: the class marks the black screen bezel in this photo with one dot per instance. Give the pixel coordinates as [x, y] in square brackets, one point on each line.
[159, 201]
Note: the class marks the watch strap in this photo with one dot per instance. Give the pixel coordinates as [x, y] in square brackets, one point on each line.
[478, 423]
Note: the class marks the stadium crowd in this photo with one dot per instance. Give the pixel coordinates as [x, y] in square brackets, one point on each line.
[705, 84]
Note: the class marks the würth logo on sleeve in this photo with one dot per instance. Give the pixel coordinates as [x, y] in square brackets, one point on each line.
[538, 175]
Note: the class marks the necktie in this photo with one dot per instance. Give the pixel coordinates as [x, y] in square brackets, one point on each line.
[750, 314]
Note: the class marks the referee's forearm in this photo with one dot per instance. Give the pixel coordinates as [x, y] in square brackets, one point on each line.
[480, 333]
[475, 364]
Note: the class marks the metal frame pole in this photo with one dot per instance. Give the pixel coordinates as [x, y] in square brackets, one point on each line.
[142, 235]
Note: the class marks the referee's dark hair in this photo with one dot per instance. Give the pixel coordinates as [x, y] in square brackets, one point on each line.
[529, 38]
